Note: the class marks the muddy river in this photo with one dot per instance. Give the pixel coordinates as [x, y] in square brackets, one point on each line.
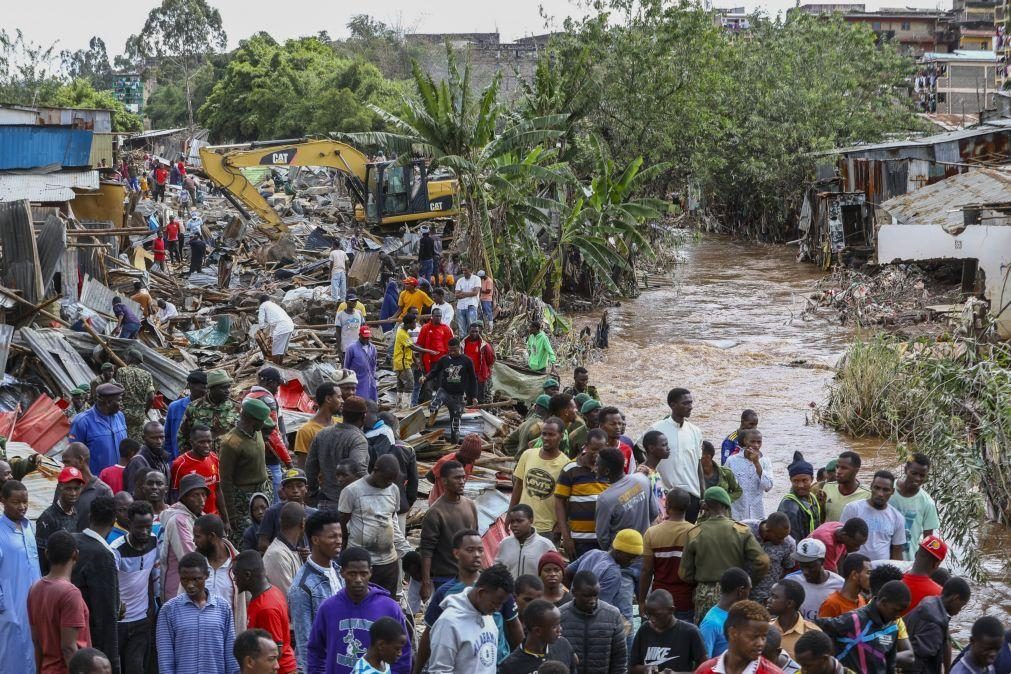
[731, 332]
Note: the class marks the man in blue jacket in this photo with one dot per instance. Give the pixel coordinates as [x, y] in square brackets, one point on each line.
[340, 632]
[317, 580]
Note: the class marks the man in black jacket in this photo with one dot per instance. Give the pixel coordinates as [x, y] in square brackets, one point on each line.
[455, 382]
[927, 625]
[594, 628]
[96, 576]
[152, 456]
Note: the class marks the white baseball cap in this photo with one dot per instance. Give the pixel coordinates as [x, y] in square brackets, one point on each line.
[809, 550]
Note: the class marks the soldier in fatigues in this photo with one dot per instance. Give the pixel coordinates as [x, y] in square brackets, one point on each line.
[716, 544]
[216, 410]
[138, 393]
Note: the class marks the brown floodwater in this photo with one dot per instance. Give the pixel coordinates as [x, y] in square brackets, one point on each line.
[731, 332]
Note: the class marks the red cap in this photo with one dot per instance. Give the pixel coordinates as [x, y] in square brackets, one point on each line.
[935, 546]
[69, 474]
[365, 332]
[410, 281]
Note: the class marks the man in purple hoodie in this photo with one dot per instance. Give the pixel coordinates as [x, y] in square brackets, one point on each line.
[340, 631]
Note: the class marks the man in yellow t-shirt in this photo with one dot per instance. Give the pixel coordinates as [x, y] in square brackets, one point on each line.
[536, 476]
[328, 400]
[353, 299]
[412, 298]
[404, 349]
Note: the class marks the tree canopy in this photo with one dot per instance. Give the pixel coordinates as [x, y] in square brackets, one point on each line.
[273, 90]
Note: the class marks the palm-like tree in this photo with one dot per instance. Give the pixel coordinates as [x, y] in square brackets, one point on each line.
[472, 135]
[603, 224]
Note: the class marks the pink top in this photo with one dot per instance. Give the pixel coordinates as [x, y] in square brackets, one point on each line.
[833, 551]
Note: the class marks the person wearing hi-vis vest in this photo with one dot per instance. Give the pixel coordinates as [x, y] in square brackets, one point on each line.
[799, 504]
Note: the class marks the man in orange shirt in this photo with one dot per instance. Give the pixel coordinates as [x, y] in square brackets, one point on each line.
[469, 452]
[856, 572]
[200, 460]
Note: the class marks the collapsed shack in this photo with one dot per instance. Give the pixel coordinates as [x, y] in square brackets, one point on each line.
[59, 275]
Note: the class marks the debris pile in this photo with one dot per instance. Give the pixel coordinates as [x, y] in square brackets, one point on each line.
[896, 297]
[59, 276]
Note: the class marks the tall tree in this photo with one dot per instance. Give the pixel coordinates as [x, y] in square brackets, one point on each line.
[91, 64]
[27, 76]
[182, 34]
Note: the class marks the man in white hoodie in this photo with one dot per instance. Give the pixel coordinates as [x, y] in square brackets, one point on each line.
[177, 530]
[464, 638]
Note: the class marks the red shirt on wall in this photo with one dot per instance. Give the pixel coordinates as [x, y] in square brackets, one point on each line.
[269, 612]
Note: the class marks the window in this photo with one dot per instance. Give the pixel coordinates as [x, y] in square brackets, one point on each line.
[876, 26]
[905, 25]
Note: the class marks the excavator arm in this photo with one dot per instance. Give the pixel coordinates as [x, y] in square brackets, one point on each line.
[222, 165]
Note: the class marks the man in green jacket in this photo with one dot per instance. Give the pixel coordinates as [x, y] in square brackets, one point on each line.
[716, 544]
[518, 440]
[539, 351]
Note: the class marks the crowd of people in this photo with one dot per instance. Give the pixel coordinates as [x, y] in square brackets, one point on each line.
[213, 540]
[208, 546]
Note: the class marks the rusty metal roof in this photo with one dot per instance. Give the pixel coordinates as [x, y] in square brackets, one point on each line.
[941, 203]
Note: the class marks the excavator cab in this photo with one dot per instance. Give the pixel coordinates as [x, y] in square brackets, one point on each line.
[399, 191]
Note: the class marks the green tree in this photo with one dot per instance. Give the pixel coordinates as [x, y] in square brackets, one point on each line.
[26, 73]
[181, 34]
[470, 134]
[91, 64]
[81, 94]
[166, 107]
[270, 90]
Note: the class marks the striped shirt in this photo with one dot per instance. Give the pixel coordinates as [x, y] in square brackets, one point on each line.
[194, 640]
[581, 486]
[665, 542]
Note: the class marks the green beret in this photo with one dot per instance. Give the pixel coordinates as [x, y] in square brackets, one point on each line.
[550, 383]
[217, 378]
[718, 494]
[256, 408]
[543, 400]
[589, 406]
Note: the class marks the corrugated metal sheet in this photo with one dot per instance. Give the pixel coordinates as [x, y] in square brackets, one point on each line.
[6, 334]
[939, 204]
[62, 361]
[46, 186]
[101, 148]
[98, 297]
[51, 244]
[169, 376]
[41, 485]
[92, 119]
[27, 147]
[69, 274]
[88, 257]
[20, 260]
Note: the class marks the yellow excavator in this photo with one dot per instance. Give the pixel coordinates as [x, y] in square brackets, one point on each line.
[385, 192]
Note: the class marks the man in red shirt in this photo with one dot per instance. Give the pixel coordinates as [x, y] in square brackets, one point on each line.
[56, 609]
[840, 539]
[611, 423]
[482, 355]
[434, 335]
[173, 231]
[200, 460]
[160, 178]
[469, 452]
[928, 557]
[268, 607]
[158, 249]
[746, 626]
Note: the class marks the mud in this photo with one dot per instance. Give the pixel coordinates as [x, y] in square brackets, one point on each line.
[731, 332]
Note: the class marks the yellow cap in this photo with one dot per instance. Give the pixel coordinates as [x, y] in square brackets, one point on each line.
[628, 540]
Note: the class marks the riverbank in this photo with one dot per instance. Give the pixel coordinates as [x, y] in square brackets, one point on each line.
[731, 331]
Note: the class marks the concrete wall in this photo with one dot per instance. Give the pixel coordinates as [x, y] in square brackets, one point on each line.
[989, 244]
[516, 62]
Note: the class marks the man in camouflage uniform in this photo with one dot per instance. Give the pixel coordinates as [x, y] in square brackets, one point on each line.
[78, 402]
[15, 468]
[106, 376]
[716, 544]
[215, 409]
[138, 393]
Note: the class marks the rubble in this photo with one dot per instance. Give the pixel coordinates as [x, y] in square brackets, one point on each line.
[60, 331]
[899, 298]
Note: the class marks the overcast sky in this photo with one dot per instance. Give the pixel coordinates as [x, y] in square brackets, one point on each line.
[71, 23]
